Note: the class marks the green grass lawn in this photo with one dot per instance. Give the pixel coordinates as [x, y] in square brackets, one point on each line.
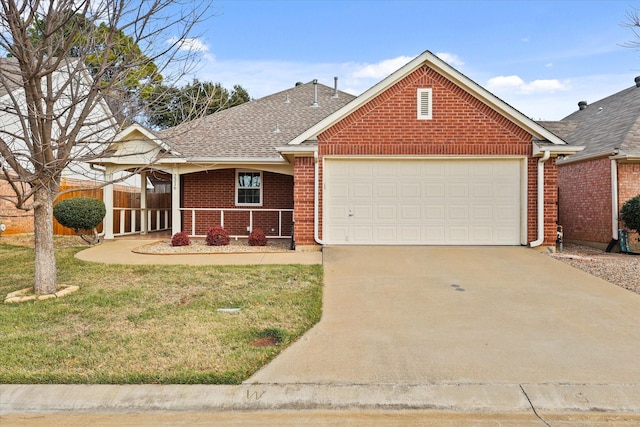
[150, 324]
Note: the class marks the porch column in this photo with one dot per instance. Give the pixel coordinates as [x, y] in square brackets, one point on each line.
[176, 226]
[144, 225]
[107, 198]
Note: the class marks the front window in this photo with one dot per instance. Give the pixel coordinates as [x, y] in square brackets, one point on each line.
[249, 188]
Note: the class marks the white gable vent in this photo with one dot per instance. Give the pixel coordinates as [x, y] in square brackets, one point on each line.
[424, 104]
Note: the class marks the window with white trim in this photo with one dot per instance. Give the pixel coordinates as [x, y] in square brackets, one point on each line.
[248, 188]
[424, 104]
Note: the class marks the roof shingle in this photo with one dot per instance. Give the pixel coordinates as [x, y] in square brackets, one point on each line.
[604, 126]
[255, 129]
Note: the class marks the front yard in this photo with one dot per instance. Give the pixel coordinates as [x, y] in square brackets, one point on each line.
[151, 324]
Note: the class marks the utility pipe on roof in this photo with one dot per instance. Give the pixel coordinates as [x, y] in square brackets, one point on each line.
[541, 162]
[316, 200]
[614, 199]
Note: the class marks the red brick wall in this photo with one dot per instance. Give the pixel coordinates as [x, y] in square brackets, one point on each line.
[461, 125]
[585, 200]
[216, 189]
[303, 197]
[628, 187]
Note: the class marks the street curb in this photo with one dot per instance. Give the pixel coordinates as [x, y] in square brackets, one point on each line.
[468, 398]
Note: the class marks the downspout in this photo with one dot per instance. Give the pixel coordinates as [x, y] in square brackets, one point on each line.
[540, 203]
[614, 199]
[316, 200]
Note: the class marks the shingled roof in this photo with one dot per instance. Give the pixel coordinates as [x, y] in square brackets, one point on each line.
[611, 124]
[253, 130]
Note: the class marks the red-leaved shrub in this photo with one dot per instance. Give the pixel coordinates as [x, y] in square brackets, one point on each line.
[180, 239]
[217, 236]
[257, 237]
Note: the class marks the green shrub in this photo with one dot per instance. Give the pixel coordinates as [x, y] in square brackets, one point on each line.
[81, 214]
[257, 237]
[630, 213]
[180, 239]
[217, 236]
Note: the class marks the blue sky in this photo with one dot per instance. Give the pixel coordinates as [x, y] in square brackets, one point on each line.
[542, 57]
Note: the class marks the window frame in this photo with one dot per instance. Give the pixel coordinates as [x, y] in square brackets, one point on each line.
[238, 187]
[428, 116]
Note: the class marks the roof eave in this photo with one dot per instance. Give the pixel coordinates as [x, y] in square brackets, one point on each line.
[556, 150]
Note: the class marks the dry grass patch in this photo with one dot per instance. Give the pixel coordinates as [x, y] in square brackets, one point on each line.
[151, 324]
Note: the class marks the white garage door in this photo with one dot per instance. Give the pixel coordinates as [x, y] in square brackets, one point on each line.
[437, 202]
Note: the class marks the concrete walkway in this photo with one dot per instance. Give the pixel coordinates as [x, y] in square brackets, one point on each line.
[451, 336]
[121, 252]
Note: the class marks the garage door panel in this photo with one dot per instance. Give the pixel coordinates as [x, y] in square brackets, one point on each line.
[385, 234]
[449, 201]
[458, 190]
[434, 190]
[386, 212]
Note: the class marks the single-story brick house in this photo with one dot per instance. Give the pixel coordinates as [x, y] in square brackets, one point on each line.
[594, 183]
[426, 156]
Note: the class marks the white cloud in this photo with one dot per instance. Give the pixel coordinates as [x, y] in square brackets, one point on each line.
[190, 45]
[381, 69]
[451, 59]
[505, 84]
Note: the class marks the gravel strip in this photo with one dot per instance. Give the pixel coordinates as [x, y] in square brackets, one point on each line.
[620, 269]
[200, 247]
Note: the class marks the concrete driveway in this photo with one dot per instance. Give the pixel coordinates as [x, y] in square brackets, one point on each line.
[465, 315]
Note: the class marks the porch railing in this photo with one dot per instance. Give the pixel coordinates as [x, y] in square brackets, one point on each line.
[192, 213]
[129, 220]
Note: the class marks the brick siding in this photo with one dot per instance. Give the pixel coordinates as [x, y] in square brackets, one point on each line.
[303, 198]
[216, 189]
[585, 200]
[629, 187]
[461, 125]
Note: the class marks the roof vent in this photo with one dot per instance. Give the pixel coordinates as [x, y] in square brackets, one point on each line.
[637, 80]
[299, 84]
[335, 87]
[315, 93]
[287, 100]
[582, 105]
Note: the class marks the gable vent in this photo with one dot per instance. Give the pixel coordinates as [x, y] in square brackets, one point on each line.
[424, 104]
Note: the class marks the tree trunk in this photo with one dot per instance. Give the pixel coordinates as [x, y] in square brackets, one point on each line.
[45, 262]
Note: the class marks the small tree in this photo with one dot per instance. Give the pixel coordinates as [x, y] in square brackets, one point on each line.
[82, 215]
[630, 213]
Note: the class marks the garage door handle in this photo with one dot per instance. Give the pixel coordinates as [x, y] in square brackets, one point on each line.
[350, 212]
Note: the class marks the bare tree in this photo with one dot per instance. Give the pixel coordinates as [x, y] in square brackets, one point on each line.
[54, 87]
[633, 22]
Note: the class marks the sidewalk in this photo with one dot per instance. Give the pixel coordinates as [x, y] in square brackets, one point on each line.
[120, 252]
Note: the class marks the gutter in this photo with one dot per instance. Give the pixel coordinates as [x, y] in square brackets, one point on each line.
[316, 200]
[541, 161]
[614, 199]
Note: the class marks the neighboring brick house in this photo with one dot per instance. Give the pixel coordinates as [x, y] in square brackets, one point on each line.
[426, 156]
[594, 184]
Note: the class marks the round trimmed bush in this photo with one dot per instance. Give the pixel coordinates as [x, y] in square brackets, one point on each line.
[630, 213]
[80, 213]
[257, 237]
[180, 239]
[217, 236]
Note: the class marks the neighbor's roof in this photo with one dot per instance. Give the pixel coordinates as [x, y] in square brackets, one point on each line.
[255, 129]
[611, 124]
